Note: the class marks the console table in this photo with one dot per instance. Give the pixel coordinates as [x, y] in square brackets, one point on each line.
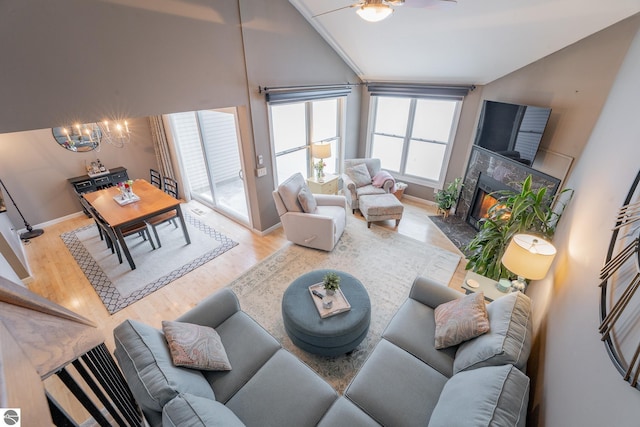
[85, 183]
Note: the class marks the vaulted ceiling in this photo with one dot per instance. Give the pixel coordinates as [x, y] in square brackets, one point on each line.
[468, 42]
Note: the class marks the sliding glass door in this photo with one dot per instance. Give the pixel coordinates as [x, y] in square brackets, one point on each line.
[209, 148]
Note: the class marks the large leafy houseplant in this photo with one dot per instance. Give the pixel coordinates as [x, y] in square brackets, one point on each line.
[528, 211]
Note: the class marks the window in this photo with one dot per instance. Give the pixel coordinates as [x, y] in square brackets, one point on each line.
[413, 136]
[295, 126]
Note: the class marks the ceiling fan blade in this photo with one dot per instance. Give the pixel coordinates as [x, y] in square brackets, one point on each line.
[340, 8]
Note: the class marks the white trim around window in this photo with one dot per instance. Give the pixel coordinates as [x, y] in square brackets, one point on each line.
[413, 136]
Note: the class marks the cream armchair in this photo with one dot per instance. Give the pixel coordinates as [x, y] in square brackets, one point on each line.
[322, 227]
[357, 184]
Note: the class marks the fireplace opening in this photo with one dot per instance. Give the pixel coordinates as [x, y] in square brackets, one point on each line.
[483, 200]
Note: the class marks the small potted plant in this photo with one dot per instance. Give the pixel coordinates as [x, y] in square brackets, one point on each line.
[447, 197]
[331, 283]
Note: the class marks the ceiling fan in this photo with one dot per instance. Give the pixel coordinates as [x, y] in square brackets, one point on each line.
[377, 10]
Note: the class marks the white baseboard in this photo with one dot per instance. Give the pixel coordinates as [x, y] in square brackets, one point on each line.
[53, 221]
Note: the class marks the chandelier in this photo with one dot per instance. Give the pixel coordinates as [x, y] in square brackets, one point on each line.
[93, 134]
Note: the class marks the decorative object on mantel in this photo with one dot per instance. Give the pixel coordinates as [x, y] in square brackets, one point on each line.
[83, 137]
[619, 281]
[31, 232]
[526, 212]
[320, 152]
[529, 257]
[448, 196]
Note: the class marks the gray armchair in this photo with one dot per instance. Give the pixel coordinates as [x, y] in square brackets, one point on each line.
[353, 190]
[322, 227]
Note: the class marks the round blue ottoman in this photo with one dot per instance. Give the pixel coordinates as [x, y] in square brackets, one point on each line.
[331, 336]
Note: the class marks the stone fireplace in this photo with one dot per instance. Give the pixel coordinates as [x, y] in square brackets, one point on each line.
[488, 172]
[483, 199]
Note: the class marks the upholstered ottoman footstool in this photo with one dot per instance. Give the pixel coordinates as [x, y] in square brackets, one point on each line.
[329, 336]
[381, 207]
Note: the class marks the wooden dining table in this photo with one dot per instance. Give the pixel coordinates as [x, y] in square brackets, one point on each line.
[153, 201]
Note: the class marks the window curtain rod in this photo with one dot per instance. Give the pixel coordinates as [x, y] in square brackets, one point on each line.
[265, 89]
[288, 94]
[418, 90]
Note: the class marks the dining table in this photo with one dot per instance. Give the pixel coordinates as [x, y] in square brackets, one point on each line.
[120, 211]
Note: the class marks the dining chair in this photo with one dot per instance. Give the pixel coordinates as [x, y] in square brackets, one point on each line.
[170, 187]
[107, 231]
[155, 178]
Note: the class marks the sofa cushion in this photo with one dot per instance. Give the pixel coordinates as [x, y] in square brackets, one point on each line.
[284, 392]
[460, 320]
[289, 190]
[187, 410]
[395, 388]
[144, 357]
[359, 174]
[307, 201]
[248, 347]
[495, 396]
[343, 413]
[508, 340]
[413, 329]
[195, 346]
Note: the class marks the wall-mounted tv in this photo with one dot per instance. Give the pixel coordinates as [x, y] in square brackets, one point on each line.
[511, 130]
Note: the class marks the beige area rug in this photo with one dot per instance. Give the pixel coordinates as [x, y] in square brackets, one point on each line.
[384, 261]
[117, 285]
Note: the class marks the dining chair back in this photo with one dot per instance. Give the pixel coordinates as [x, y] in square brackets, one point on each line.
[155, 178]
[105, 231]
[170, 186]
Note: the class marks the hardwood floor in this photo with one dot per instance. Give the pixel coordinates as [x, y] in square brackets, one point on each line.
[59, 278]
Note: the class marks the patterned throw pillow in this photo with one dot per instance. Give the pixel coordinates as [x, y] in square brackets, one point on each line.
[195, 346]
[460, 320]
[359, 174]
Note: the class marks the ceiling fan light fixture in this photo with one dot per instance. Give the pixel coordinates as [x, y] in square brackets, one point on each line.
[374, 12]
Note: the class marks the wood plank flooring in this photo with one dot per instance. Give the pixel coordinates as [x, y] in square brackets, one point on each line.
[59, 278]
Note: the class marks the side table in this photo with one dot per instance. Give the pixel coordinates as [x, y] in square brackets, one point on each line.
[487, 286]
[328, 186]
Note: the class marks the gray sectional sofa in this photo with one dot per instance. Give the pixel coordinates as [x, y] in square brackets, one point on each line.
[404, 382]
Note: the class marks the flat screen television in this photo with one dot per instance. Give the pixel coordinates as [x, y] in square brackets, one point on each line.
[512, 130]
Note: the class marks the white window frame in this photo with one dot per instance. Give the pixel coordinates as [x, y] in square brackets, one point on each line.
[401, 175]
[339, 138]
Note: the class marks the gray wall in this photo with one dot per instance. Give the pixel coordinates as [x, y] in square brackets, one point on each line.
[575, 383]
[78, 61]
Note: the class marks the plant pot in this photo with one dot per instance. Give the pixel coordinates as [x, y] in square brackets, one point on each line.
[331, 292]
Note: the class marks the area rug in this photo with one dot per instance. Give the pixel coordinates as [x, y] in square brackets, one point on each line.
[117, 285]
[384, 261]
[456, 229]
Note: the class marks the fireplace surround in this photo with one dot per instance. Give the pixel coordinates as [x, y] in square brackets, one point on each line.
[497, 173]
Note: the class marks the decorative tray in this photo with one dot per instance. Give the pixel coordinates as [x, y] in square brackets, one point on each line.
[340, 303]
[121, 200]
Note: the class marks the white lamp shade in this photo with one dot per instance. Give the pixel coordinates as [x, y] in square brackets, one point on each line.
[374, 12]
[529, 256]
[321, 151]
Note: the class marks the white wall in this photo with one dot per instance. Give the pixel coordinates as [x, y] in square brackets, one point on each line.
[575, 382]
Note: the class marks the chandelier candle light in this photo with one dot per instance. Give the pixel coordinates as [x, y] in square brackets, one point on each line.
[529, 257]
[321, 152]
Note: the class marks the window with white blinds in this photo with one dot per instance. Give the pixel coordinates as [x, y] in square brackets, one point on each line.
[296, 126]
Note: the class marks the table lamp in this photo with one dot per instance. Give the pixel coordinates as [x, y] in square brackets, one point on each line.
[321, 152]
[529, 257]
